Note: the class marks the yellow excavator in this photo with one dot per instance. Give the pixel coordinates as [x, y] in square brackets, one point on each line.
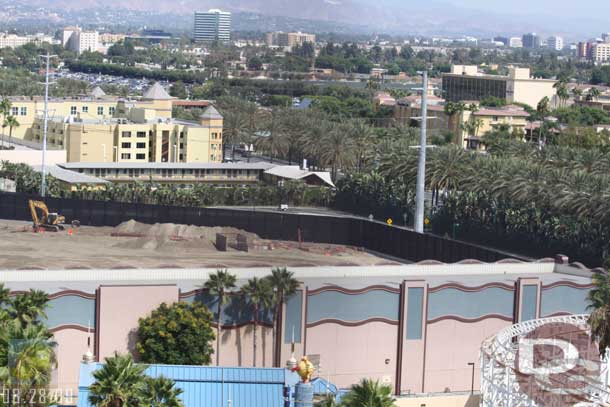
[49, 221]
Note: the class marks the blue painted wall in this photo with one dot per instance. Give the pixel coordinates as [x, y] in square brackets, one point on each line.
[563, 298]
[352, 307]
[235, 311]
[470, 305]
[71, 309]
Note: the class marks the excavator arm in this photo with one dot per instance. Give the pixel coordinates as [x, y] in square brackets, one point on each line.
[48, 221]
[34, 205]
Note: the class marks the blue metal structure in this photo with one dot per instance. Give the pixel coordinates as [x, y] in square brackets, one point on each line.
[213, 386]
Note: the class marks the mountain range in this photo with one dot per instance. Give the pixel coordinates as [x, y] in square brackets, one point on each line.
[441, 17]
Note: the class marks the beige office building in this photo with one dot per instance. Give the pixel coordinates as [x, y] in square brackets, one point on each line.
[465, 83]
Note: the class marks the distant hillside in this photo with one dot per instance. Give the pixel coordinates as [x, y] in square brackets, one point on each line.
[440, 17]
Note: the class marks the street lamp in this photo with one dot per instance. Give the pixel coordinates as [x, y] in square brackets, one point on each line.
[43, 186]
[472, 381]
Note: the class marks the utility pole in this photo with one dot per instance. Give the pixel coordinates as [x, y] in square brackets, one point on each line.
[43, 187]
[421, 165]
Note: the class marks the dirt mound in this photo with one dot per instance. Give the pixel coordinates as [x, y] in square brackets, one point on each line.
[171, 236]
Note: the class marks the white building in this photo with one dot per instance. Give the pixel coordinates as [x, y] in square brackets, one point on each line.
[555, 43]
[515, 42]
[215, 25]
[14, 41]
[78, 40]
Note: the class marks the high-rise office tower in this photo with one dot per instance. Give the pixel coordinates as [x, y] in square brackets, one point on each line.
[214, 25]
[531, 40]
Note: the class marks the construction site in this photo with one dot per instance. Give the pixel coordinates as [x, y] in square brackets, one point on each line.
[137, 245]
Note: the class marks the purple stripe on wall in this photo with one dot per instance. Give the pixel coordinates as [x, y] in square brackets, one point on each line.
[460, 287]
[471, 320]
[354, 292]
[567, 284]
[76, 327]
[355, 323]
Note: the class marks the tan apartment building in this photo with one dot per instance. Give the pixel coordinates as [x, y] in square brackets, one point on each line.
[468, 127]
[95, 106]
[101, 130]
[289, 40]
[487, 119]
[466, 83]
[600, 52]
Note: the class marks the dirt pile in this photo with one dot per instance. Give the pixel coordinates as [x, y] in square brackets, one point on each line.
[171, 236]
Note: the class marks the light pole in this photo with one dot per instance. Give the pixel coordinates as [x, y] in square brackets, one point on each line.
[43, 186]
[421, 165]
[472, 381]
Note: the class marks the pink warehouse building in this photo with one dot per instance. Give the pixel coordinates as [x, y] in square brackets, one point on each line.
[415, 327]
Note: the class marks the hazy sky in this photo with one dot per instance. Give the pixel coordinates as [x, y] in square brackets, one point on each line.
[582, 8]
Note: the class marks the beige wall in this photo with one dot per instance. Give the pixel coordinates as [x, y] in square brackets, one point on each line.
[440, 401]
[529, 91]
[33, 157]
[71, 346]
[375, 341]
[447, 365]
[120, 307]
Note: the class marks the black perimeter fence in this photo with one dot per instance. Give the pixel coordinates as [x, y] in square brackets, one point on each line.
[351, 231]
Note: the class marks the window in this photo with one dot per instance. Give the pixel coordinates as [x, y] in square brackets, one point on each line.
[100, 110]
[214, 136]
[125, 145]
[141, 134]
[73, 110]
[141, 156]
[125, 156]
[181, 157]
[85, 109]
[24, 111]
[140, 145]
[181, 145]
[14, 111]
[213, 157]
[111, 110]
[181, 134]
[126, 134]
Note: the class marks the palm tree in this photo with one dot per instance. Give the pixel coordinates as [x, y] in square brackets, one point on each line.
[599, 304]
[593, 93]
[284, 286]
[5, 110]
[258, 293]
[27, 358]
[275, 141]
[30, 307]
[218, 284]
[576, 93]
[161, 392]
[118, 383]
[368, 393]
[10, 122]
[544, 109]
[327, 401]
[561, 89]
[338, 149]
